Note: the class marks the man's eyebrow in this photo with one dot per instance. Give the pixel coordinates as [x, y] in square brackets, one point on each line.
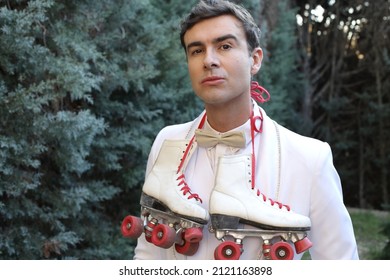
[225, 37]
[194, 44]
[216, 40]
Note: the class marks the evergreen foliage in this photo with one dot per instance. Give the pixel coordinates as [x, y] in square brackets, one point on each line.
[46, 137]
[82, 95]
[86, 85]
[280, 73]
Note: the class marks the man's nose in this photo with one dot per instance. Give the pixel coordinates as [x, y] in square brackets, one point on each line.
[210, 60]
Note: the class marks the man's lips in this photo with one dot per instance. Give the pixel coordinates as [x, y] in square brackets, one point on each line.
[212, 80]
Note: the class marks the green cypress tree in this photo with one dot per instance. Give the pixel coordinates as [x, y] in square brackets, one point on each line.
[45, 138]
[80, 103]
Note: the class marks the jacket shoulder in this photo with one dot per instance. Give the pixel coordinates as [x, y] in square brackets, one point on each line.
[302, 147]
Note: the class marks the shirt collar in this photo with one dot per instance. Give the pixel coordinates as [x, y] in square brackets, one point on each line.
[246, 127]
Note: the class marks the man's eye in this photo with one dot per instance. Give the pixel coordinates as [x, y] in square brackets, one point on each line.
[226, 47]
[197, 51]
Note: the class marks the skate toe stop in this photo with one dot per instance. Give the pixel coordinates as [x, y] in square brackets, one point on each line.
[302, 245]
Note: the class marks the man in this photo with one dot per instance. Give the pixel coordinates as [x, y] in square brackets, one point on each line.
[266, 178]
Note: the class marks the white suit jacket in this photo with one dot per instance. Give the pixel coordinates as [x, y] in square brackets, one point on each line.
[290, 168]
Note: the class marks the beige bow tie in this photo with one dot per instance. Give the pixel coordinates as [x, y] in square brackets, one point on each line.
[209, 139]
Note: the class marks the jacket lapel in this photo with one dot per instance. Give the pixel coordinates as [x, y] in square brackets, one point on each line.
[268, 159]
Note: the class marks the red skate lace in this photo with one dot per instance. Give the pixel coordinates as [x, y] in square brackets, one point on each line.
[258, 95]
[181, 178]
[254, 129]
[186, 189]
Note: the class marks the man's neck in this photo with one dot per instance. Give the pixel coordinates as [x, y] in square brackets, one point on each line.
[227, 117]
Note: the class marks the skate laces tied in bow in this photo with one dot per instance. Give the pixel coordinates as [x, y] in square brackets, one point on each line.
[258, 96]
[181, 178]
[258, 92]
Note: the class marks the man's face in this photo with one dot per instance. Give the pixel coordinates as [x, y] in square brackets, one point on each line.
[219, 63]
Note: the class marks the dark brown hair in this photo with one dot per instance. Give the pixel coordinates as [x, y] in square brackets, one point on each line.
[206, 9]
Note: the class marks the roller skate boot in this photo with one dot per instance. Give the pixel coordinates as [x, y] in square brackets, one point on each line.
[172, 214]
[235, 202]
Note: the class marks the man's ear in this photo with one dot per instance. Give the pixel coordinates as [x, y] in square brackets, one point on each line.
[256, 59]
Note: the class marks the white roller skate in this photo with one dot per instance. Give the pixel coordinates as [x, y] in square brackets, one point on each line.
[172, 214]
[235, 202]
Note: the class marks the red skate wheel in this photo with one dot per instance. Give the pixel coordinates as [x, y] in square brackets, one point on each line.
[132, 227]
[281, 251]
[163, 236]
[187, 249]
[302, 245]
[193, 235]
[227, 250]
